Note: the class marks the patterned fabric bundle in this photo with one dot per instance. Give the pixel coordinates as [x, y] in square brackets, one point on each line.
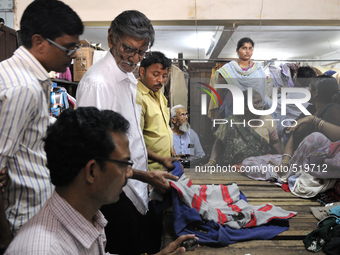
[223, 205]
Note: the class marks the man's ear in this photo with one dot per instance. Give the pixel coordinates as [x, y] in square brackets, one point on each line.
[173, 120]
[141, 71]
[91, 171]
[38, 43]
[110, 39]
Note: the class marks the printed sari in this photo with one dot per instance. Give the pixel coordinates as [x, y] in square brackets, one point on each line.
[240, 141]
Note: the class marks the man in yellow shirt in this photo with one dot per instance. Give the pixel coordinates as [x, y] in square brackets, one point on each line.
[155, 115]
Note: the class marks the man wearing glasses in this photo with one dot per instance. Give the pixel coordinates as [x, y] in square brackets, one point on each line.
[50, 34]
[95, 165]
[186, 140]
[110, 84]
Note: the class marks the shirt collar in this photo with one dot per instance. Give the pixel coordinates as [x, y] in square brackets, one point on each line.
[80, 228]
[38, 70]
[145, 90]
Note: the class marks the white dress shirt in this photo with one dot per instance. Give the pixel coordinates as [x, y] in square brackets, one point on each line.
[106, 87]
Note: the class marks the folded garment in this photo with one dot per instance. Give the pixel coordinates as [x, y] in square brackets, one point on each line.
[218, 226]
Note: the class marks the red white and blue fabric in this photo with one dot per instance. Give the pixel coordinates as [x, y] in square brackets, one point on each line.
[187, 219]
[223, 205]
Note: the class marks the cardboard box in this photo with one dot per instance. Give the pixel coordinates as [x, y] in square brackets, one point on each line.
[84, 59]
[83, 62]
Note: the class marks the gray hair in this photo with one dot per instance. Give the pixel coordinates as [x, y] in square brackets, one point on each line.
[173, 110]
[132, 23]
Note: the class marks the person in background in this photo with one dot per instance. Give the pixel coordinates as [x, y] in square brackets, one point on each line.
[109, 84]
[186, 141]
[309, 134]
[50, 36]
[243, 73]
[302, 79]
[155, 116]
[70, 221]
[236, 142]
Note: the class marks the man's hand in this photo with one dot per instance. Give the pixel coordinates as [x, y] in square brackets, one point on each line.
[3, 178]
[174, 247]
[168, 162]
[159, 180]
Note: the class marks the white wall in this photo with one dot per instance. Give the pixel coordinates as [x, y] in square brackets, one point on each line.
[186, 10]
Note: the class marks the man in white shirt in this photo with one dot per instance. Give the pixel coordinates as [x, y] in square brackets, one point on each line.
[110, 84]
[50, 34]
[85, 179]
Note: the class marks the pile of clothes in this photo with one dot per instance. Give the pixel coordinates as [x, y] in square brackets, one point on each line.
[327, 236]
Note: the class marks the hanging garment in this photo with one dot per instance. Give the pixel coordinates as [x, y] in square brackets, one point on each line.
[278, 76]
[178, 88]
[214, 108]
[286, 70]
[65, 76]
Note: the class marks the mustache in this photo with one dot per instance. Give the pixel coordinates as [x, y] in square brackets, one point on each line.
[130, 63]
[127, 61]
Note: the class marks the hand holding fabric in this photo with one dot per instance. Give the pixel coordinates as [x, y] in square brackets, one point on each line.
[159, 180]
[168, 162]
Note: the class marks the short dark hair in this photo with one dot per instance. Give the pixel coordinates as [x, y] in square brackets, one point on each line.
[132, 23]
[50, 19]
[155, 57]
[326, 86]
[304, 75]
[244, 40]
[77, 137]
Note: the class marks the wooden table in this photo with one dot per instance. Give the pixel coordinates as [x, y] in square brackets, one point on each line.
[257, 193]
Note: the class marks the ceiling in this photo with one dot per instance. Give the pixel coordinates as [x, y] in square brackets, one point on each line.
[271, 42]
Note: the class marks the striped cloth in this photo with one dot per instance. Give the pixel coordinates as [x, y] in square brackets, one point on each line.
[223, 205]
[24, 91]
[59, 229]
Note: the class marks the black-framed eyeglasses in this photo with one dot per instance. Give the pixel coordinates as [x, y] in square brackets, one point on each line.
[68, 52]
[130, 51]
[129, 162]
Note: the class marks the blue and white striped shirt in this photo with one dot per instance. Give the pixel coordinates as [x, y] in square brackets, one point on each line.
[24, 117]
